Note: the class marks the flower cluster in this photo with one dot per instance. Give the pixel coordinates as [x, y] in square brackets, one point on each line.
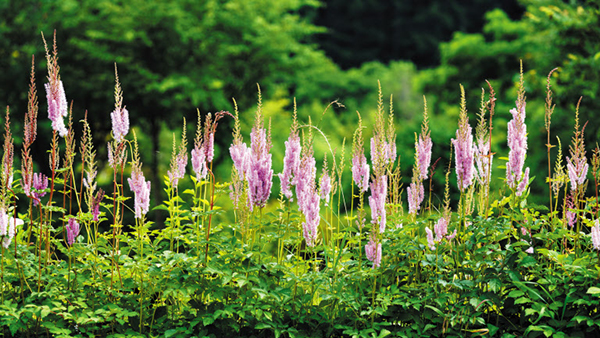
[596, 235]
[120, 123]
[179, 160]
[373, 251]
[516, 178]
[360, 172]
[259, 168]
[416, 194]
[72, 230]
[95, 205]
[360, 168]
[40, 184]
[463, 147]
[483, 160]
[8, 226]
[55, 92]
[291, 162]
[120, 116]
[325, 186]
[141, 188]
[377, 201]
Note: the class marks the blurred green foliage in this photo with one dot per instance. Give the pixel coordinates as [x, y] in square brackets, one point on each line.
[176, 56]
[551, 34]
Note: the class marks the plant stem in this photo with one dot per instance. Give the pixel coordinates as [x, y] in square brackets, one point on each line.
[212, 203]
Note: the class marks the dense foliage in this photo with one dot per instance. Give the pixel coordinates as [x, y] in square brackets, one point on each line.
[368, 236]
[224, 263]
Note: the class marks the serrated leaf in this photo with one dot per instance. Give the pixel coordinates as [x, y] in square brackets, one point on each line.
[495, 284]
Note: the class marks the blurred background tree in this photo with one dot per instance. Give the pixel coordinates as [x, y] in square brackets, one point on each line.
[175, 56]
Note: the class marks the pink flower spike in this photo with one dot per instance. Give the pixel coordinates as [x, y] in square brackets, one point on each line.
[596, 235]
[441, 228]
[72, 230]
[120, 123]
[416, 194]
[8, 227]
[377, 201]
[312, 218]
[517, 142]
[260, 174]
[96, 205]
[57, 107]
[141, 188]
[40, 183]
[325, 187]
[291, 162]
[240, 154]
[430, 241]
[451, 236]
[199, 163]
[373, 252]
[424, 146]
[577, 169]
[360, 172]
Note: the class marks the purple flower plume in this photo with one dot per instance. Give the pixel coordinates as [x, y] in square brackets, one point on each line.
[120, 123]
[360, 172]
[240, 154]
[373, 253]
[141, 188]
[72, 230]
[8, 227]
[424, 146]
[199, 163]
[578, 169]
[259, 173]
[430, 241]
[415, 197]
[464, 156]
[209, 147]
[177, 170]
[96, 205]
[305, 180]
[311, 208]
[517, 142]
[483, 159]
[291, 162]
[377, 201]
[57, 106]
[40, 183]
[325, 187]
[441, 228]
[596, 235]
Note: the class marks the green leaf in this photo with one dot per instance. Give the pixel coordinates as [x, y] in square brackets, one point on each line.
[384, 333]
[495, 284]
[593, 290]
[515, 293]
[207, 320]
[522, 300]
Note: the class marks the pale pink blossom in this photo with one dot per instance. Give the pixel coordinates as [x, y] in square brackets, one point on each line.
[72, 230]
[596, 235]
[291, 161]
[373, 252]
[430, 241]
